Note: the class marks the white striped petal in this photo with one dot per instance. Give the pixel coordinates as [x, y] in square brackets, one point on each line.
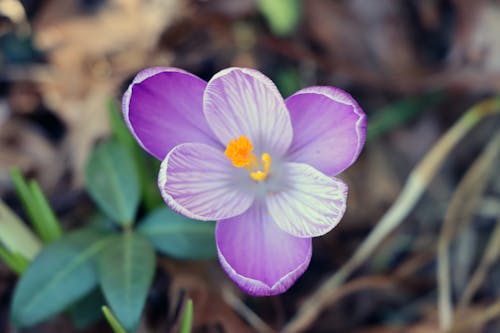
[198, 181]
[310, 204]
[242, 101]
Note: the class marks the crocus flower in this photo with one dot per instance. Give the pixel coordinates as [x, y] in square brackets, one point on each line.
[264, 168]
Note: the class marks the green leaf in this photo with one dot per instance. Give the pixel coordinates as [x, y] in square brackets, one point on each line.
[149, 181]
[282, 15]
[113, 322]
[60, 275]
[118, 127]
[147, 167]
[126, 269]
[50, 223]
[399, 113]
[15, 236]
[15, 261]
[101, 222]
[178, 236]
[35, 203]
[23, 193]
[28, 202]
[112, 181]
[187, 318]
[87, 310]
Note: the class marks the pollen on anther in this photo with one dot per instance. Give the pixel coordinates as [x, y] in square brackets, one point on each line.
[239, 152]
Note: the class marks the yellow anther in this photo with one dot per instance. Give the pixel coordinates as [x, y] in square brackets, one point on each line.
[239, 152]
[266, 160]
[260, 175]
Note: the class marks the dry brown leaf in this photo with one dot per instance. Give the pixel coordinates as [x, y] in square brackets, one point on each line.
[91, 55]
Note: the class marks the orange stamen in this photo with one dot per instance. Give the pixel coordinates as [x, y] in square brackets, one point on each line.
[239, 152]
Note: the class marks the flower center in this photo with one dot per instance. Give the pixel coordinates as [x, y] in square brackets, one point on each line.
[239, 152]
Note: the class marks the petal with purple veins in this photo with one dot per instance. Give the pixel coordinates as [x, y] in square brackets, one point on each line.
[329, 128]
[258, 256]
[163, 107]
[241, 101]
[310, 204]
[198, 181]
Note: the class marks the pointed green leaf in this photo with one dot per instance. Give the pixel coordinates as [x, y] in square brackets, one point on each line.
[60, 275]
[28, 203]
[126, 268]
[35, 204]
[8, 258]
[50, 223]
[15, 236]
[187, 318]
[178, 236]
[16, 262]
[112, 181]
[147, 167]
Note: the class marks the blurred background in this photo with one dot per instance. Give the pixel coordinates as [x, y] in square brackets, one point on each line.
[414, 66]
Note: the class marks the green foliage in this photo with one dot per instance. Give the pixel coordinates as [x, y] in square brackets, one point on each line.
[15, 261]
[51, 224]
[113, 322]
[400, 113]
[107, 253]
[147, 167]
[112, 181]
[118, 127]
[36, 205]
[126, 269]
[59, 276]
[15, 236]
[187, 318]
[26, 198]
[178, 236]
[87, 310]
[282, 15]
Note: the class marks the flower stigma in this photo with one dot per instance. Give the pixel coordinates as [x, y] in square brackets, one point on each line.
[239, 152]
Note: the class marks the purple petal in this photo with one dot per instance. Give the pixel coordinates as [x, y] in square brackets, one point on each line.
[199, 182]
[163, 107]
[258, 256]
[311, 204]
[329, 128]
[241, 101]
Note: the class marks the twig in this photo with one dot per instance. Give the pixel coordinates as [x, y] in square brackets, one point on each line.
[459, 214]
[491, 255]
[237, 304]
[473, 323]
[362, 283]
[417, 182]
